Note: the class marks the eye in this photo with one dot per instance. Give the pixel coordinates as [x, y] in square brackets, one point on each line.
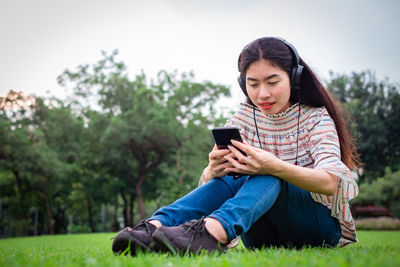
[272, 83]
[253, 85]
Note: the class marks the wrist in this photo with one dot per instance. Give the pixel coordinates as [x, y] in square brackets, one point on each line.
[280, 167]
[206, 175]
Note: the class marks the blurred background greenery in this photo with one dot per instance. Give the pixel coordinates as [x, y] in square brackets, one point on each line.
[118, 148]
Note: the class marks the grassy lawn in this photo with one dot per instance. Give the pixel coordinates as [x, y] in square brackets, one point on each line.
[373, 249]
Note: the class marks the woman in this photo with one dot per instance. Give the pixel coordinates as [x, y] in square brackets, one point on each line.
[296, 180]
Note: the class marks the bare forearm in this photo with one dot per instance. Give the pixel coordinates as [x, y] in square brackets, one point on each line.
[313, 180]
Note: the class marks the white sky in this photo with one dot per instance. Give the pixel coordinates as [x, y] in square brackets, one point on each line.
[41, 38]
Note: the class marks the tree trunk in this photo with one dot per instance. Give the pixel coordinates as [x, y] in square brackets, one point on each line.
[115, 225]
[23, 210]
[140, 196]
[103, 217]
[125, 209]
[48, 211]
[131, 217]
[21, 190]
[179, 167]
[90, 215]
[59, 220]
[48, 206]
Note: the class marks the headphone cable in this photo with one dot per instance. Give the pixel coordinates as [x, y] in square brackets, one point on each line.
[298, 132]
[255, 123]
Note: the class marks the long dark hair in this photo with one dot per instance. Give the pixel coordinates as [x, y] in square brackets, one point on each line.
[312, 92]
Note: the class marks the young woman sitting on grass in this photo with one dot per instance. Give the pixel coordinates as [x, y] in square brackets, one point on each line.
[296, 180]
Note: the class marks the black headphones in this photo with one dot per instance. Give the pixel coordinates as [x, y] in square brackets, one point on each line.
[297, 69]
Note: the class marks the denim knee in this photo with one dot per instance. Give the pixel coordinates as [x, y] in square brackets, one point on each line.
[254, 198]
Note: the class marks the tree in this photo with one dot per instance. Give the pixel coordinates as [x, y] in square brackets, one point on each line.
[116, 139]
[18, 158]
[383, 191]
[58, 138]
[39, 142]
[374, 108]
[150, 122]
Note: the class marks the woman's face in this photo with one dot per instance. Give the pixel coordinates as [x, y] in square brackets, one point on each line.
[268, 86]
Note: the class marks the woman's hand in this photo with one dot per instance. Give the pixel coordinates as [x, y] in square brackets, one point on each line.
[258, 161]
[218, 165]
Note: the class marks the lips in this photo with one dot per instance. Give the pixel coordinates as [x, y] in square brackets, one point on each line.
[266, 105]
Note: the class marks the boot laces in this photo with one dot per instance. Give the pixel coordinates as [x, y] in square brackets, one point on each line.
[195, 226]
[143, 225]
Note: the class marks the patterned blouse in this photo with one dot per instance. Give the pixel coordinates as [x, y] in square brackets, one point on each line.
[318, 148]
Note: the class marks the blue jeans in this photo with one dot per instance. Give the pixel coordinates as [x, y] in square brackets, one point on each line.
[264, 210]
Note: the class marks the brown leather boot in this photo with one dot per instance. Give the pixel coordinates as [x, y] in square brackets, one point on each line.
[190, 237]
[138, 238]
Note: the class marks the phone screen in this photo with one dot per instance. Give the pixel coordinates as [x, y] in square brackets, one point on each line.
[223, 136]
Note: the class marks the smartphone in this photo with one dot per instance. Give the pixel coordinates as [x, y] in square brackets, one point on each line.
[223, 137]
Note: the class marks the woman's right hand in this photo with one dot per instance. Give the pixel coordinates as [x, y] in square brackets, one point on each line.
[217, 164]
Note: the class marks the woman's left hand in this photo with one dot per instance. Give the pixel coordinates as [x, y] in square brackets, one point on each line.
[258, 161]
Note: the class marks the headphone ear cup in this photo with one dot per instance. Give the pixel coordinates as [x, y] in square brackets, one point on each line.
[296, 77]
[242, 83]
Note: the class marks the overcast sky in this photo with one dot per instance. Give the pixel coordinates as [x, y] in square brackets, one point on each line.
[41, 38]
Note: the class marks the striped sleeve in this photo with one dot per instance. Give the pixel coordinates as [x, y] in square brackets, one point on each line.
[324, 147]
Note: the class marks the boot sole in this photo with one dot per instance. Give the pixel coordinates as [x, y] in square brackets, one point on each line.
[124, 239]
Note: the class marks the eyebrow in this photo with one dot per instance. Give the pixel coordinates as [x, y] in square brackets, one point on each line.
[267, 78]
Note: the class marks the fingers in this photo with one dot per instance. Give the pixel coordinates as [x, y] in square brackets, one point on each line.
[242, 163]
[245, 147]
[236, 166]
[223, 161]
[217, 162]
[218, 154]
[238, 155]
[220, 168]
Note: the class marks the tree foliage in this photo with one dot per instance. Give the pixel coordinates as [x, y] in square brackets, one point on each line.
[116, 146]
[384, 191]
[374, 108]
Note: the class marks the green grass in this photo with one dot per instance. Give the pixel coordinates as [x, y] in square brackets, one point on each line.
[373, 249]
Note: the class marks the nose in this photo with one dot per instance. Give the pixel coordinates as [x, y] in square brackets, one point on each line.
[264, 92]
